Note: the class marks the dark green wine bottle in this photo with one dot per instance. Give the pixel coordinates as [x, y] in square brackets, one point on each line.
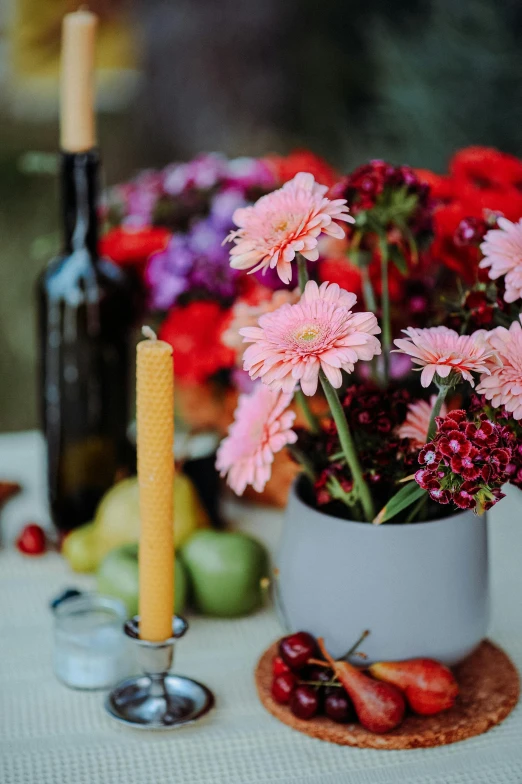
[85, 316]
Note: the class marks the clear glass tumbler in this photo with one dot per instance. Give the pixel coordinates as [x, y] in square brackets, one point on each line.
[90, 648]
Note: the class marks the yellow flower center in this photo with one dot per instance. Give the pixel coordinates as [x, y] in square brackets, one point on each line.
[282, 226]
[308, 333]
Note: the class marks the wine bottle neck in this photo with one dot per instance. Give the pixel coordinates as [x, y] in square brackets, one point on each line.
[79, 200]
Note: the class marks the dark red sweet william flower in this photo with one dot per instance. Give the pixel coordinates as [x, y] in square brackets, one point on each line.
[468, 461]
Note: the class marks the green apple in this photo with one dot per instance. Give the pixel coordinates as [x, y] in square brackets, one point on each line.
[117, 576]
[117, 522]
[225, 571]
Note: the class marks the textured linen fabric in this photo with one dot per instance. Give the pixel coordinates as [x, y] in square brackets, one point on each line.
[50, 734]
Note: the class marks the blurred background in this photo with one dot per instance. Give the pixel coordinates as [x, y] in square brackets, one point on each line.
[409, 81]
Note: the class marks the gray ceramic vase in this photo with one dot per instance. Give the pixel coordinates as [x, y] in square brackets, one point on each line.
[421, 589]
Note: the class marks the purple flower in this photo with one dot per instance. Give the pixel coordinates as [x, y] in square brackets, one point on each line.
[202, 173]
[211, 266]
[250, 173]
[223, 206]
[139, 197]
[167, 272]
[195, 261]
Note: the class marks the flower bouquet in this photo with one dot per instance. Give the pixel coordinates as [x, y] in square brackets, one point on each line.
[384, 444]
[169, 227]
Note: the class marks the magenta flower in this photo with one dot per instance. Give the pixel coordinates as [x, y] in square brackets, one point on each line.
[293, 343]
[283, 223]
[261, 428]
[441, 351]
[502, 249]
[467, 462]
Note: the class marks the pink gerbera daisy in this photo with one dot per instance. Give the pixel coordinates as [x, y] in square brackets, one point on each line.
[502, 249]
[503, 386]
[245, 315]
[320, 332]
[262, 426]
[443, 351]
[415, 426]
[283, 223]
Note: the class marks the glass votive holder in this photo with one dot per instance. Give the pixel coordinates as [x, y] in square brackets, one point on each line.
[90, 648]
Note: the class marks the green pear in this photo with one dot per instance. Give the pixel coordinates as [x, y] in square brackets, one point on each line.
[80, 548]
[117, 522]
[225, 571]
[117, 576]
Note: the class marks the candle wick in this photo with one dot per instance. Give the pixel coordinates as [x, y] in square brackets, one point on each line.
[149, 333]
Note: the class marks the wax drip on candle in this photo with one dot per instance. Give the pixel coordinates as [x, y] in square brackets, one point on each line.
[149, 333]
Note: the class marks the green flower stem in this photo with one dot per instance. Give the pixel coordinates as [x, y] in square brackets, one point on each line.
[348, 447]
[305, 408]
[385, 307]
[443, 391]
[302, 271]
[367, 288]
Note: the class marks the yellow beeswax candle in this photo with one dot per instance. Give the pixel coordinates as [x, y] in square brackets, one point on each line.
[155, 435]
[77, 127]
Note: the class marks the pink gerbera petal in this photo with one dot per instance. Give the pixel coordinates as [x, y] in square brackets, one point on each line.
[283, 223]
[502, 249]
[294, 342]
[415, 426]
[261, 428]
[442, 351]
[503, 385]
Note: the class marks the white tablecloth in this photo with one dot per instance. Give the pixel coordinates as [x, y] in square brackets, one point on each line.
[52, 735]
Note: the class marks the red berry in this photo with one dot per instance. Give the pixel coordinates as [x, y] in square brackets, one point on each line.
[282, 687]
[338, 706]
[296, 649]
[32, 540]
[278, 666]
[304, 702]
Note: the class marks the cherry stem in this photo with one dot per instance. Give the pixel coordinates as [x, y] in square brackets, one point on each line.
[322, 683]
[354, 647]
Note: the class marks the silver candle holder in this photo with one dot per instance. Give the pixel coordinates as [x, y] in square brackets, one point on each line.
[157, 700]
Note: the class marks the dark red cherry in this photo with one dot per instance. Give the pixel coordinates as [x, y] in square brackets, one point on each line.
[278, 666]
[338, 706]
[304, 702]
[296, 649]
[282, 687]
[313, 672]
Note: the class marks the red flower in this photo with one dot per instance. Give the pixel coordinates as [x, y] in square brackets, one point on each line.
[442, 187]
[428, 456]
[481, 180]
[342, 272]
[133, 246]
[439, 495]
[194, 332]
[461, 259]
[286, 167]
[486, 168]
[465, 466]
[454, 443]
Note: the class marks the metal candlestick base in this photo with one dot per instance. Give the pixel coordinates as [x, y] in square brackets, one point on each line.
[157, 700]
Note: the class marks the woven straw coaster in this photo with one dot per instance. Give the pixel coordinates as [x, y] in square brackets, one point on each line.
[489, 690]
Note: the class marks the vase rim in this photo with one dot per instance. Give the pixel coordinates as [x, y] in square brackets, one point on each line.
[408, 526]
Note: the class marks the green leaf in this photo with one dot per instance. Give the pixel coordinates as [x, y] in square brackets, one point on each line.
[407, 495]
[398, 260]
